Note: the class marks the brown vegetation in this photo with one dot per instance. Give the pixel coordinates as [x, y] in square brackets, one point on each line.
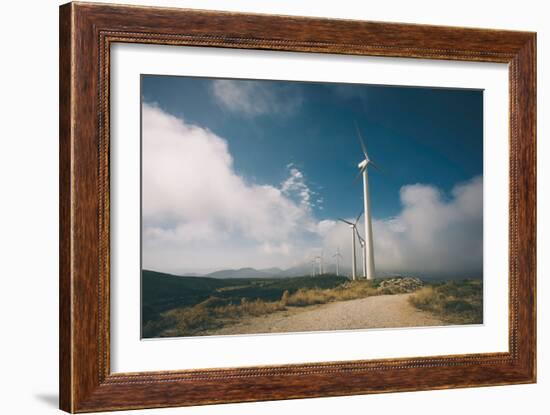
[456, 302]
[216, 312]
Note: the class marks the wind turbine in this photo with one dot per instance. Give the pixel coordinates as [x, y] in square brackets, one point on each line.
[313, 265]
[363, 170]
[353, 226]
[319, 258]
[338, 257]
[364, 257]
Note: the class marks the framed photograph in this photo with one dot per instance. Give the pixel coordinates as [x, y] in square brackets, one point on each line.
[258, 207]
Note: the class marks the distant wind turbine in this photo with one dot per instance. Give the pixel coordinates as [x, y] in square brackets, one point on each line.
[338, 257]
[313, 266]
[368, 248]
[353, 226]
[319, 259]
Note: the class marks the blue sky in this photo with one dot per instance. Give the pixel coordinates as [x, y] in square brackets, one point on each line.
[240, 173]
[415, 135]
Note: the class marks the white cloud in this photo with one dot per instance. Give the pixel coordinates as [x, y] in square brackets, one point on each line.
[194, 202]
[431, 235]
[296, 188]
[199, 214]
[253, 98]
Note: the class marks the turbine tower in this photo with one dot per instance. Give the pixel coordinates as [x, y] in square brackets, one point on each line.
[353, 226]
[363, 170]
[364, 257]
[338, 257]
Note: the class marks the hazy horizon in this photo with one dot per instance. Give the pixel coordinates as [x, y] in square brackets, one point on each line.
[346, 272]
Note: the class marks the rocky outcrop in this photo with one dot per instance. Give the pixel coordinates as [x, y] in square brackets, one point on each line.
[398, 285]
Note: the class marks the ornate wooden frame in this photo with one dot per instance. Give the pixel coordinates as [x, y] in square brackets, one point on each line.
[86, 33]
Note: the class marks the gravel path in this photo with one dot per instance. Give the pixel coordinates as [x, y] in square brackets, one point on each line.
[382, 311]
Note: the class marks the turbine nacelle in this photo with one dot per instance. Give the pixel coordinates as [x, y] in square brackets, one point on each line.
[366, 161]
[352, 225]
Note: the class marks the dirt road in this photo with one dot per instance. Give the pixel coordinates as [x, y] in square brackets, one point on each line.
[382, 311]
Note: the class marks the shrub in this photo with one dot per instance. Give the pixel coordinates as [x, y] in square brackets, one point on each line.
[284, 298]
[457, 306]
[424, 298]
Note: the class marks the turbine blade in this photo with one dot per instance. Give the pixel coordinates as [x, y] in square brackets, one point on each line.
[358, 217]
[375, 166]
[345, 221]
[359, 236]
[361, 141]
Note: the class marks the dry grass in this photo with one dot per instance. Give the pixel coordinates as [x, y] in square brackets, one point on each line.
[348, 291]
[424, 298]
[216, 312]
[457, 302]
[212, 313]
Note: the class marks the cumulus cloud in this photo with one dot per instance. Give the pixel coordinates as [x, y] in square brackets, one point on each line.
[253, 98]
[432, 235]
[194, 202]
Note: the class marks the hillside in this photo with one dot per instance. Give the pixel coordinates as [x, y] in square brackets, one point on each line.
[161, 292]
[242, 273]
[174, 306]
